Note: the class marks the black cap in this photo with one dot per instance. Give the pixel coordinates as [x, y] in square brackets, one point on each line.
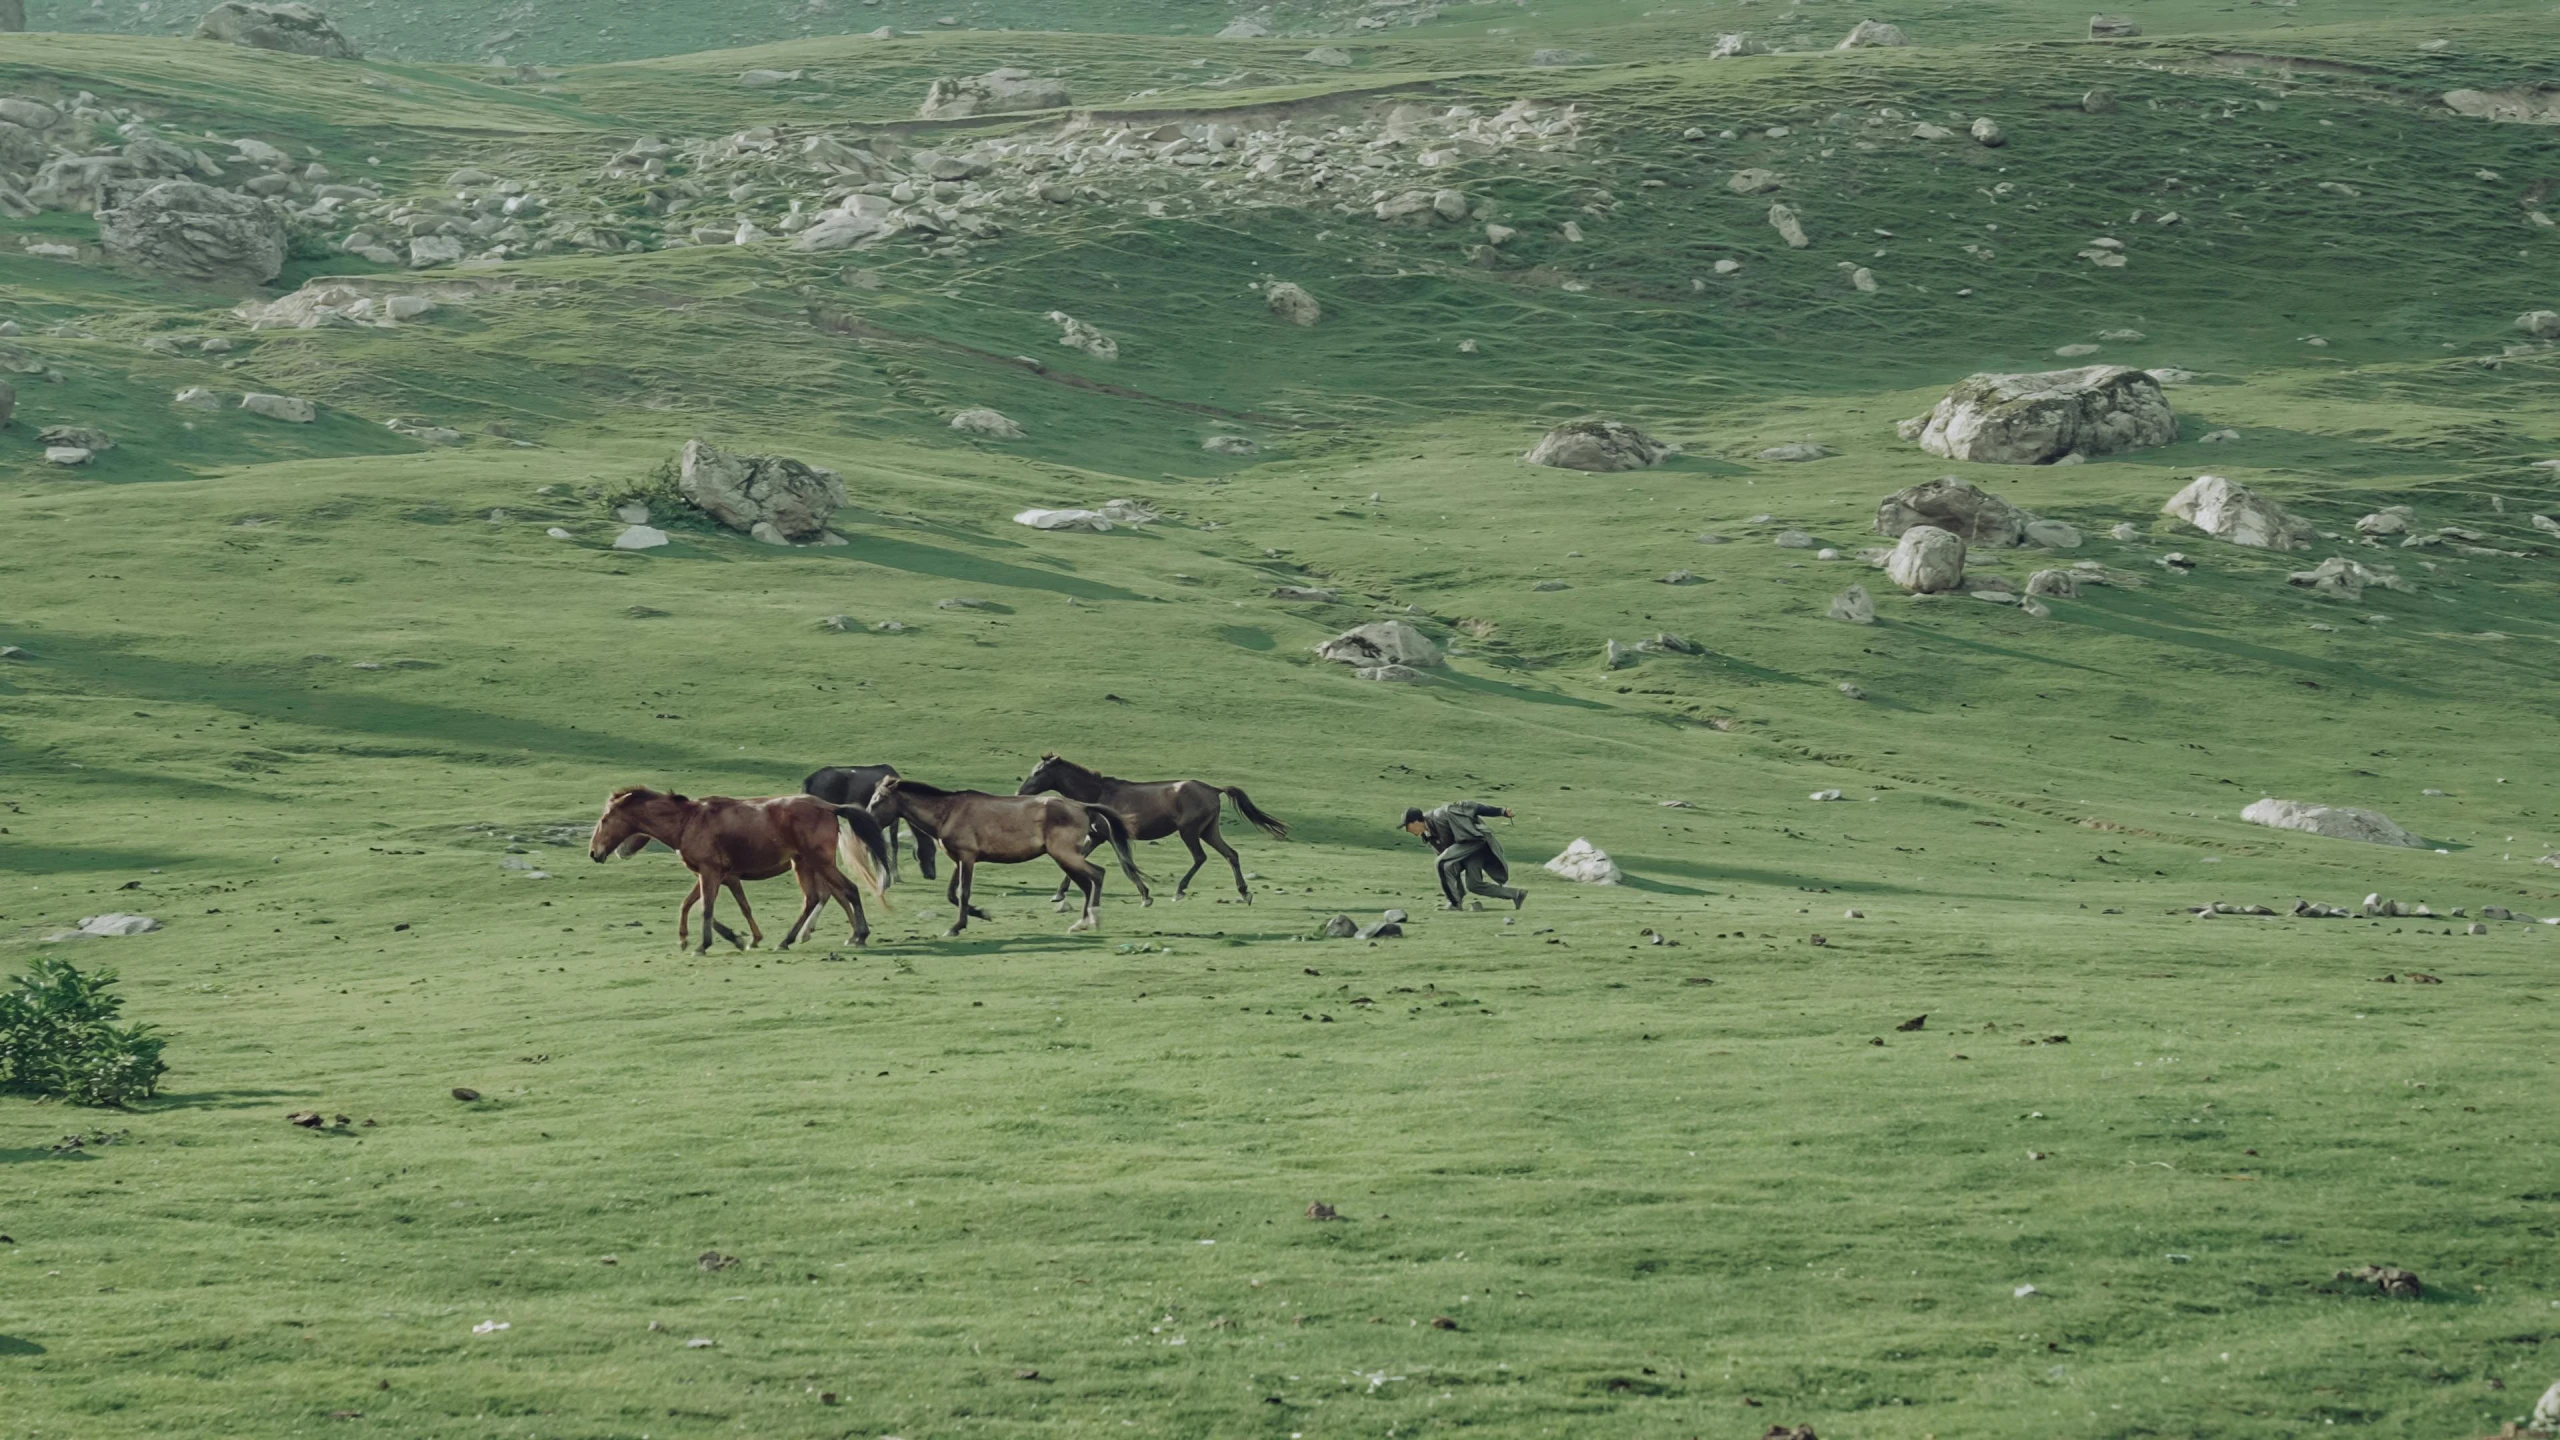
[1412, 816]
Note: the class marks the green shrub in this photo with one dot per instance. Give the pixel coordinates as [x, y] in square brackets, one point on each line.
[59, 1039]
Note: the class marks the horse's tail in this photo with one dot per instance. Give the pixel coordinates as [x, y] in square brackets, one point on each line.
[868, 861]
[1255, 813]
[1105, 824]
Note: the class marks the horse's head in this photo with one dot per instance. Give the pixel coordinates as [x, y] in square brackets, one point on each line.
[1044, 776]
[884, 798]
[621, 830]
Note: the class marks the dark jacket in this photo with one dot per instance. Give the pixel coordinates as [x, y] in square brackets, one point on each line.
[1459, 825]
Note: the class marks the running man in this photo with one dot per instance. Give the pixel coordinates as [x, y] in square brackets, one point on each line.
[1470, 858]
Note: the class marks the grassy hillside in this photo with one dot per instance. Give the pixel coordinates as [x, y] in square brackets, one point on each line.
[335, 706]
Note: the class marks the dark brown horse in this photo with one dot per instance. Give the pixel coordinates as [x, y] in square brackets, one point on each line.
[852, 785]
[974, 826]
[1156, 809]
[723, 841]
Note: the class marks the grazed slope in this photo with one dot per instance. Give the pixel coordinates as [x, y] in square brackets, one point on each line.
[306, 685]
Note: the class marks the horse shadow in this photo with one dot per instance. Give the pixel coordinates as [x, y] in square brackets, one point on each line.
[14, 1345]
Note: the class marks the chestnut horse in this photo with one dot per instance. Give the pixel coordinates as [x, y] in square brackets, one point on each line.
[1157, 808]
[723, 841]
[974, 826]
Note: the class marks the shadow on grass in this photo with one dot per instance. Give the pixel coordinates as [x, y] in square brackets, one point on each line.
[1479, 685]
[29, 1154]
[15, 1345]
[1753, 875]
[219, 1099]
[1633, 881]
[16, 859]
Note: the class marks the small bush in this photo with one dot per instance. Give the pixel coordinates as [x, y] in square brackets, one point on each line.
[657, 489]
[59, 1039]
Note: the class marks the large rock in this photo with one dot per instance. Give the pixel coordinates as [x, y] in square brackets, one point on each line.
[293, 28]
[2341, 579]
[993, 424]
[2522, 105]
[1601, 446]
[2540, 324]
[1854, 606]
[117, 924]
[994, 93]
[2338, 822]
[1873, 33]
[1382, 642]
[2238, 514]
[745, 491]
[1587, 864]
[2037, 419]
[1926, 561]
[861, 218]
[291, 408]
[1292, 303]
[195, 232]
[1957, 505]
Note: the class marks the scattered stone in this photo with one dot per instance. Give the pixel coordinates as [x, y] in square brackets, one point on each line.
[1340, 927]
[1600, 446]
[1678, 577]
[2053, 535]
[1229, 445]
[1614, 656]
[1927, 560]
[997, 92]
[1854, 606]
[2391, 1280]
[2238, 514]
[118, 925]
[1382, 930]
[1863, 280]
[2540, 324]
[1730, 45]
[67, 455]
[291, 408]
[1328, 55]
[1381, 643]
[1871, 34]
[1587, 864]
[196, 232]
[1957, 505]
[993, 424]
[769, 79]
[2124, 530]
[639, 537]
[745, 491]
[1077, 335]
[1561, 57]
[1793, 540]
[295, 29]
[196, 397]
[1309, 594]
[1987, 133]
[2042, 418]
[2389, 520]
[1109, 516]
[1791, 229]
[1292, 303]
[1753, 181]
[1667, 643]
[2112, 27]
[2177, 560]
[2339, 578]
[2546, 1411]
[1789, 454]
[2337, 822]
[1852, 691]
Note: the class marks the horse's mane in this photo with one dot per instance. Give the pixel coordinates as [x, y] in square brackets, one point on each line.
[918, 787]
[1054, 758]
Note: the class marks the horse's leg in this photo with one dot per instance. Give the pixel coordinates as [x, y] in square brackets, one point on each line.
[964, 874]
[1199, 857]
[755, 932]
[709, 885]
[953, 894]
[1088, 878]
[1234, 861]
[684, 914]
[1058, 902]
[813, 895]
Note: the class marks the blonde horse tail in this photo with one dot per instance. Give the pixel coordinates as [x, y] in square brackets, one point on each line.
[862, 852]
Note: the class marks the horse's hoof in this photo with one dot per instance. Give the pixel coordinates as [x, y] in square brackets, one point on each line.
[1085, 924]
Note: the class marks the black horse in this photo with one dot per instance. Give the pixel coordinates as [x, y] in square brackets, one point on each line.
[855, 785]
[1156, 809]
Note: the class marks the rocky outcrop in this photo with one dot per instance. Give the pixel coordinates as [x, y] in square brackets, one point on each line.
[2047, 416]
[2338, 822]
[292, 28]
[2238, 514]
[2519, 106]
[997, 92]
[1956, 505]
[195, 232]
[1599, 446]
[1382, 642]
[1926, 561]
[774, 498]
[1292, 303]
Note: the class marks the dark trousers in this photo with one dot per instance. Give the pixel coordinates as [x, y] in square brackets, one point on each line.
[1462, 870]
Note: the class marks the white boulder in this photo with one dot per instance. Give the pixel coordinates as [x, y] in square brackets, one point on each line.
[1292, 303]
[2338, 822]
[639, 537]
[1871, 34]
[118, 925]
[2238, 514]
[993, 424]
[2053, 535]
[1926, 560]
[295, 29]
[1077, 335]
[280, 407]
[1854, 606]
[1587, 864]
[2047, 416]
[997, 92]
[1598, 446]
[2540, 324]
[1381, 642]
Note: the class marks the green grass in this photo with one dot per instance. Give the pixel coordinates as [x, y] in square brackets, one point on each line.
[1644, 1201]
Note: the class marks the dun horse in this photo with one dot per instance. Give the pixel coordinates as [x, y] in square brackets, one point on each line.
[1157, 808]
[852, 785]
[974, 826]
[723, 841]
